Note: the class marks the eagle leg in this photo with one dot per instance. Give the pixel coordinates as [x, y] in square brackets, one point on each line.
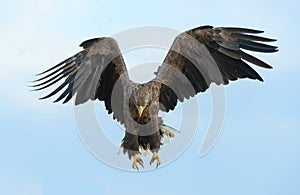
[155, 156]
[137, 161]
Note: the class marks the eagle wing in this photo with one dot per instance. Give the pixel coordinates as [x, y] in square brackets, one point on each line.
[96, 72]
[205, 55]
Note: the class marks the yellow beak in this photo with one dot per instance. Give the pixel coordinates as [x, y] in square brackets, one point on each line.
[141, 109]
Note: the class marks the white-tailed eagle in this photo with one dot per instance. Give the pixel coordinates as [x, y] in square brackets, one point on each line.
[197, 58]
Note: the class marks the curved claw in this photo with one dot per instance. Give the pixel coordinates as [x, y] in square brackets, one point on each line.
[169, 134]
[155, 156]
[137, 161]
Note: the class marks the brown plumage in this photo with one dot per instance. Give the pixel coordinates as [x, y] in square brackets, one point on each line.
[197, 58]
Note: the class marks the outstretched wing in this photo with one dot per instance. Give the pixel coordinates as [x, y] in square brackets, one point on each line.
[94, 73]
[206, 55]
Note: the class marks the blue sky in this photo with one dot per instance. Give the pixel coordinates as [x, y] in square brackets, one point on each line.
[258, 151]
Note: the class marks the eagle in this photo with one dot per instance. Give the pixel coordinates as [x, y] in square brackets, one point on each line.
[197, 58]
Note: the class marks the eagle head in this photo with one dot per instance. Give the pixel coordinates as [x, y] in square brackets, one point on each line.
[143, 98]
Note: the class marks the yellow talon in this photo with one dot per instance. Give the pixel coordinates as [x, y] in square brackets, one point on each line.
[137, 161]
[169, 133]
[155, 156]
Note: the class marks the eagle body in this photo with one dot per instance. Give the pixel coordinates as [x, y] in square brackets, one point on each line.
[196, 59]
[143, 129]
